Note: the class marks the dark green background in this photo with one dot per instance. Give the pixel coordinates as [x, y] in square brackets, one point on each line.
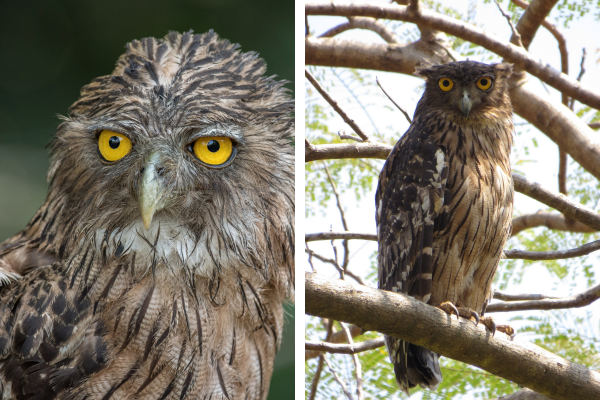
[50, 49]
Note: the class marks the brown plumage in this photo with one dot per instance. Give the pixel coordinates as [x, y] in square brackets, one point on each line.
[100, 307]
[444, 202]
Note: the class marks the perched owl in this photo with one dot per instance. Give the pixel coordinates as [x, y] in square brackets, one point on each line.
[157, 266]
[444, 202]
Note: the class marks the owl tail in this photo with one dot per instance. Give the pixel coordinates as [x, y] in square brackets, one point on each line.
[414, 365]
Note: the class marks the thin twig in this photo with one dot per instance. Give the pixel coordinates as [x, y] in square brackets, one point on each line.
[336, 337]
[338, 268]
[335, 106]
[306, 28]
[338, 379]
[594, 125]
[357, 366]
[516, 34]
[342, 216]
[581, 72]
[343, 135]
[392, 100]
[344, 348]
[576, 301]
[310, 256]
[551, 220]
[315, 383]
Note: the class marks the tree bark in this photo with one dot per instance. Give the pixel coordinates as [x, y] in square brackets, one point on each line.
[408, 319]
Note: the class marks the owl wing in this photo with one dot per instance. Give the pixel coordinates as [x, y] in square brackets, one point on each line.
[412, 204]
[19, 255]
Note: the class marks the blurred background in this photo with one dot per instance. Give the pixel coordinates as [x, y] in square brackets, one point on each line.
[50, 49]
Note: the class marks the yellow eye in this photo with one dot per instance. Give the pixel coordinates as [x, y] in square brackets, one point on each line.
[445, 84]
[213, 150]
[113, 146]
[484, 83]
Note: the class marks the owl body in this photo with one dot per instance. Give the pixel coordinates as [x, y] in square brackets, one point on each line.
[157, 275]
[444, 202]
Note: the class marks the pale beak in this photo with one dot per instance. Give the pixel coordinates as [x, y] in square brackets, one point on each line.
[465, 104]
[151, 189]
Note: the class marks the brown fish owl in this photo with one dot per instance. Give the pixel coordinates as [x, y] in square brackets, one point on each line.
[157, 266]
[444, 202]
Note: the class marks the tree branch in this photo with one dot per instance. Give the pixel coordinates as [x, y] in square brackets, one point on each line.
[534, 16]
[411, 320]
[337, 337]
[343, 348]
[312, 237]
[523, 394]
[553, 119]
[516, 37]
[335, 106]
[576, 301]
[498, 295]
[568, 207]
[357, 366]
[370, 24]
[550, 220]
[517, 55]
[552, 255]
[338, 379]
[346, 150]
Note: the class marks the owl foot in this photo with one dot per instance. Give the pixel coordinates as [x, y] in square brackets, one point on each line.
[449, 308]
[464, 312]
[492, 327]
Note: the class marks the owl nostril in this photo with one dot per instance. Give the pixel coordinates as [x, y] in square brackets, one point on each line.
[160, 171]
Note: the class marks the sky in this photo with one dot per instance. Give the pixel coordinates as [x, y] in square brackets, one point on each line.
[406, 91]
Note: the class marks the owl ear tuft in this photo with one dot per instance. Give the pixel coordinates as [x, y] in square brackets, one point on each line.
[503, 70]
[425, 69]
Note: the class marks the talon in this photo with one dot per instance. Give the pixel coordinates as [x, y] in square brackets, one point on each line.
[449, 308]
[507, 329]
[476, 316]
[490, 324]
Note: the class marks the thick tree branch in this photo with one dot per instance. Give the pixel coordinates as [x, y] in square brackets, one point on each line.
[510, 52]
[550, 220]
[534, 16]
[576, 301]
[523, 394]
[408, 319]
[557, 201]
[343, 348]
[553, 119]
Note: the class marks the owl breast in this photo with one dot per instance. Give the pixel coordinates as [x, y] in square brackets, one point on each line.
[466, 254]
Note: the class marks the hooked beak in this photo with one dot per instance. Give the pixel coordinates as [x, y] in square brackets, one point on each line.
[151, 189]
[465, 104]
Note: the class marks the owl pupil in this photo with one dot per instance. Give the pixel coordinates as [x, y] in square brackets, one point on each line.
[114, 142]
[213, 146]
[446, 82]
[484, 82]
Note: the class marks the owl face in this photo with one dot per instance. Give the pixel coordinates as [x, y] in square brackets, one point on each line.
[187, 132]
[466, 89]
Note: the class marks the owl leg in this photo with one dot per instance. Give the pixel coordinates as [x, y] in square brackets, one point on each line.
[464, 312]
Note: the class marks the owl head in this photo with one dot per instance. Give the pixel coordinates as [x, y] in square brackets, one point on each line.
[465, 89]
[185, 141]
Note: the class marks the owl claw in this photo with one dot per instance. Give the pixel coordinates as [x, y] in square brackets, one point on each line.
[476, 316]
[490, 324]
[449, 308]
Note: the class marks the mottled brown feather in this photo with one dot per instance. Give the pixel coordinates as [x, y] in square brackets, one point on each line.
[444, 202]
[97, 306]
